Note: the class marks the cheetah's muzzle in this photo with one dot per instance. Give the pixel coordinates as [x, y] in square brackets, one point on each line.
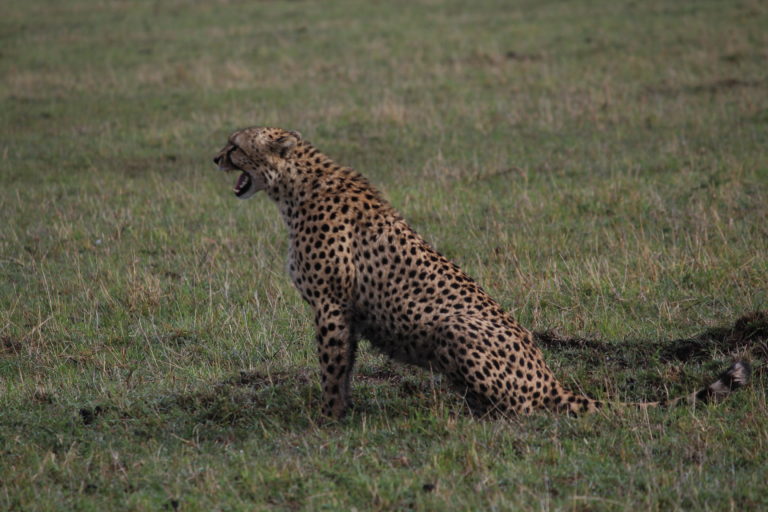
[244, 185]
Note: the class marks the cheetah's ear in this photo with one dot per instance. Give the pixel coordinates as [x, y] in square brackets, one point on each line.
[284, 145]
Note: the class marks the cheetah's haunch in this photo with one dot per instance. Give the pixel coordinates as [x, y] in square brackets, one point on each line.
[366, 273]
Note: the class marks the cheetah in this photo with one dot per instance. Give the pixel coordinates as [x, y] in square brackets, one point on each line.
[367, 274]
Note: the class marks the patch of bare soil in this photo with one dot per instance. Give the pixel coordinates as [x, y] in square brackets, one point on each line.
[259, 380]
[10, 345]
[712, 87]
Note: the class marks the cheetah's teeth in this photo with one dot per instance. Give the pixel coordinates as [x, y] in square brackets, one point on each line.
[243, 184]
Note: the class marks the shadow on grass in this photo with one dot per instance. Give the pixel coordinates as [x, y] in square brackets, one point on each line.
[256, 401]
[263, 402]
[747, 337]
[236, 406]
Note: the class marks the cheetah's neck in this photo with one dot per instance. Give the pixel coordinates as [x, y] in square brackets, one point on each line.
[312, 178]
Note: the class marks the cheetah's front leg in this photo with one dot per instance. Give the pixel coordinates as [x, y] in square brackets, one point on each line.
[336, 348]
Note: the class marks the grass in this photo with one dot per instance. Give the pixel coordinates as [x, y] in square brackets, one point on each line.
[600, 167]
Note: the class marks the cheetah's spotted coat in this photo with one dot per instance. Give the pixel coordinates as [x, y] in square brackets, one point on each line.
[366, 273]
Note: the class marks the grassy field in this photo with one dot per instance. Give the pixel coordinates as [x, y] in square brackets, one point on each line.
[601, 167]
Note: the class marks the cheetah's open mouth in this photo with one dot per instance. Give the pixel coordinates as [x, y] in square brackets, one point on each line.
[243, 184]
[247, 184]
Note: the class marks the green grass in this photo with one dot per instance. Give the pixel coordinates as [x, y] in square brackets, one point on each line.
[600, 167]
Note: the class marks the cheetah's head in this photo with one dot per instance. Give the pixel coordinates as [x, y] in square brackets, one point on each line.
[258, 153]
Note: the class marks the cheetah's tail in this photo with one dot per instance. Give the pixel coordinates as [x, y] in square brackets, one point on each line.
[733, 379]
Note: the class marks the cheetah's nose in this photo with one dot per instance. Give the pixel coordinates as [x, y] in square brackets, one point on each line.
[216, 160]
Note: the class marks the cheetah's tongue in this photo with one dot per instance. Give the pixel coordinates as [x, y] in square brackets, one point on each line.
[243, 184]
